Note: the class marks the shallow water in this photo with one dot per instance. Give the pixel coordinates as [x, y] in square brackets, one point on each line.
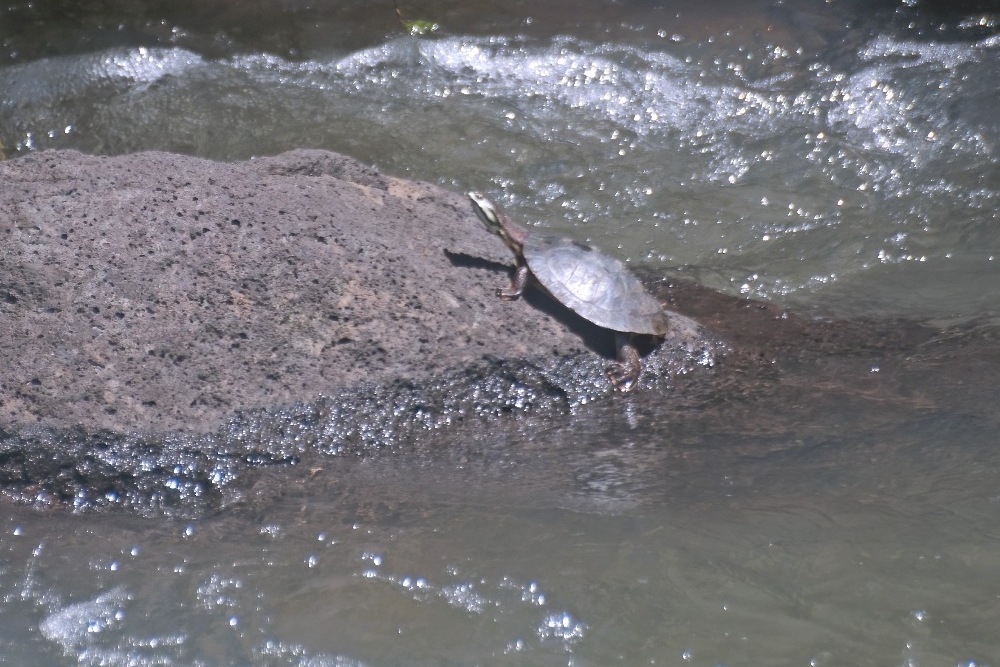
[623, 540]
[835, 157]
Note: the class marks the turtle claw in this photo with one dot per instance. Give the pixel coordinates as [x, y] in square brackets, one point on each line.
[508, 294]
[517, 285]
[622, 377]
[624, 374]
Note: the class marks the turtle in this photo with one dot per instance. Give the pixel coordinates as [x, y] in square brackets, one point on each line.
[593, 285]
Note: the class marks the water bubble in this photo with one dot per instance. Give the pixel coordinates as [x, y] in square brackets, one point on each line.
[561, 625]
[271, 530]
[515, 646]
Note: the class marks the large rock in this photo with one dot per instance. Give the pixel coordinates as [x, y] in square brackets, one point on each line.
[170, 326]
[164, 292]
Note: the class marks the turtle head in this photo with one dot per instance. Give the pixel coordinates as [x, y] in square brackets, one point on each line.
[496, 222]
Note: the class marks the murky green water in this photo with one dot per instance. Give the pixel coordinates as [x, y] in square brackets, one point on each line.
[836, 157]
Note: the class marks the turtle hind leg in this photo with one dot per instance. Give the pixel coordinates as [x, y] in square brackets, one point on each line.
[517, 285]
[625, 373]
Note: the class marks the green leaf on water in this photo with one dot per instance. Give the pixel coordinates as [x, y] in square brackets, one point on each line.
[420, 27]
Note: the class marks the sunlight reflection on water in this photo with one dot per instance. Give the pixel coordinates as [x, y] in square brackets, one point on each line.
[838, 523]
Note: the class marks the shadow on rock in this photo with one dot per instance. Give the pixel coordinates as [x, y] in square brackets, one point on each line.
[175, 328]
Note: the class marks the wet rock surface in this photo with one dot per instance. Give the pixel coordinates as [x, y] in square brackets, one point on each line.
[161, 292]
[173, 329]
[167, 322]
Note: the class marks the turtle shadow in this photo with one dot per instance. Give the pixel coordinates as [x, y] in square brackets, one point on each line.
[597, 339]
[466, 261]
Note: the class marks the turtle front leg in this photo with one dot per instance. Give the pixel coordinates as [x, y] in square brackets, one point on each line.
[517, 285]
[625, 373]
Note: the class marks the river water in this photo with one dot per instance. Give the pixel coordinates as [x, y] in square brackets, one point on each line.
[837, 158]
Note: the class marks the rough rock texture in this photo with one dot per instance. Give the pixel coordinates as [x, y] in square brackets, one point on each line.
[158, 292]
[172, 328]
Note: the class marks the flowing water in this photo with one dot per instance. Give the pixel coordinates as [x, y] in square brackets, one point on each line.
[838, 158]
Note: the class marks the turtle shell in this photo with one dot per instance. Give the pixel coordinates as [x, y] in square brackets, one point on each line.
[597, 287]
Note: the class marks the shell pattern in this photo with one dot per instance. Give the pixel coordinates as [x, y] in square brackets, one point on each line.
[597, 287]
